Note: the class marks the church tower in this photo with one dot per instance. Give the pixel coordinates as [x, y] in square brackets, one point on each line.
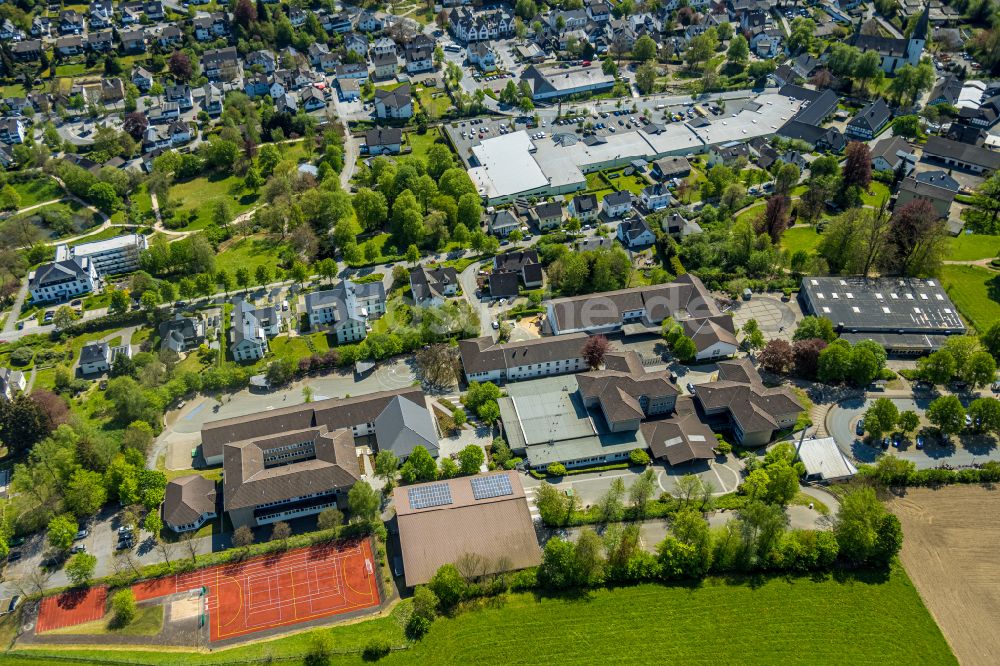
[915, 46]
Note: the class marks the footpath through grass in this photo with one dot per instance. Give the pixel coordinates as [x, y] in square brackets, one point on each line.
[857, 620]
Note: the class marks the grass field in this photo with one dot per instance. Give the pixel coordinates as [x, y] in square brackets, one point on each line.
[878, 192]
[434, 101]
[200, 194]
[778, 620]
[970, 247]
[800, 238]
[38, 190]
[752, 213]
[148, 622]
[250, 253]
[975, 291]
[420, 143]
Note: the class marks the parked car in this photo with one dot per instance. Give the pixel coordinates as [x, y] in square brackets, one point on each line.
[81, 534]
[860, 429]
[78, 548]
[920, 442]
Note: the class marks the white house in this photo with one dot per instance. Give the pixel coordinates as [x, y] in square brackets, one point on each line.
[62, 280]
[617, 204]
[110, 257]
[397, 103]
[655, 197]
[346, 309]
[635, 233]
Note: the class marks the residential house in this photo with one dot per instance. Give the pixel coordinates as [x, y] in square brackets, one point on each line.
[870, 120]
[346, 309]
[69, 46]
[523, 263]
[368, 21]
[170, 36]
[941, 198]
[584, 207]
[312, 99]
[419, 59]
[212, 100]
[468, 25]
[740, 401]
[383, 141]
[617, 204]
[180, 95]
[142, 78]
[386, 65]
[188, 503]
[635, 233]
[62, 280]
[221, 64]
[27, 50]
[384, 46]
[432, 285]
[671, 167]
[181, 333]
[12, 382]
[70, 22]
[481, 55]
[548, 215]
[678, 226]
[133, 41]
[250, 329]
[501, 222]
[268, 62]
[98, 357]
[357, 44]
[655, 197]
[396, 104]
[349, 89]
[892, 154]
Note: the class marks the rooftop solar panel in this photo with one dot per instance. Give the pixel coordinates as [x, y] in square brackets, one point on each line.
[485, 487]
[424, 497]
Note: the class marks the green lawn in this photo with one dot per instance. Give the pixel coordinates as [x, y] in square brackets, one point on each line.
[298, 347]
[420, 143]
[250, 253]
[975, 291]
[854, 620]
[878, 192]
[110, 232]
[198, 195]
[38, 190]
[751, 213]
[800, 238]
[71, 69]
[970, 247]
[434, 101]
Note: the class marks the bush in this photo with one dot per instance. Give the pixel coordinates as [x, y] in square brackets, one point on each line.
[377, 648]
[556, 469]
[724, 447]
[638, 457]
[21, 356]
[416, 627]
[122, 608]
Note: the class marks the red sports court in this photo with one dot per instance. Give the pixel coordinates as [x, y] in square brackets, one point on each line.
[274, 591]
[71, 607]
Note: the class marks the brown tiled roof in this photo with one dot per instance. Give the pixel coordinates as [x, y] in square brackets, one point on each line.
[187, 498]
[619, 392]
[681, 438]
[248, 483]
[334, 413]
[496, 531]
[709, 331]
[753, 406]
[484, 355]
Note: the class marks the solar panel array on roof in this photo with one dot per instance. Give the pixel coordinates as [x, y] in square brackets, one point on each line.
[485, 487]
[425, 497]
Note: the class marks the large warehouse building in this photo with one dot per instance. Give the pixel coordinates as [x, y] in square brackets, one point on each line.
[518, 164]
[904, 315]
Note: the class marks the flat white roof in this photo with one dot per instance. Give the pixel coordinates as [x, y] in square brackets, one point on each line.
[98, 246]
[507, 166]
[823, 458]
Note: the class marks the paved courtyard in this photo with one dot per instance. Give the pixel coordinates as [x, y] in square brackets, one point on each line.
[777, 319]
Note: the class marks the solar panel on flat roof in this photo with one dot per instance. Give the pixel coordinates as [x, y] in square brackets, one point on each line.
[424, 497]
[485, 487]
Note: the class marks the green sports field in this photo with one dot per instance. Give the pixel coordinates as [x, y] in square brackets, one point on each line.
[774, 621]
